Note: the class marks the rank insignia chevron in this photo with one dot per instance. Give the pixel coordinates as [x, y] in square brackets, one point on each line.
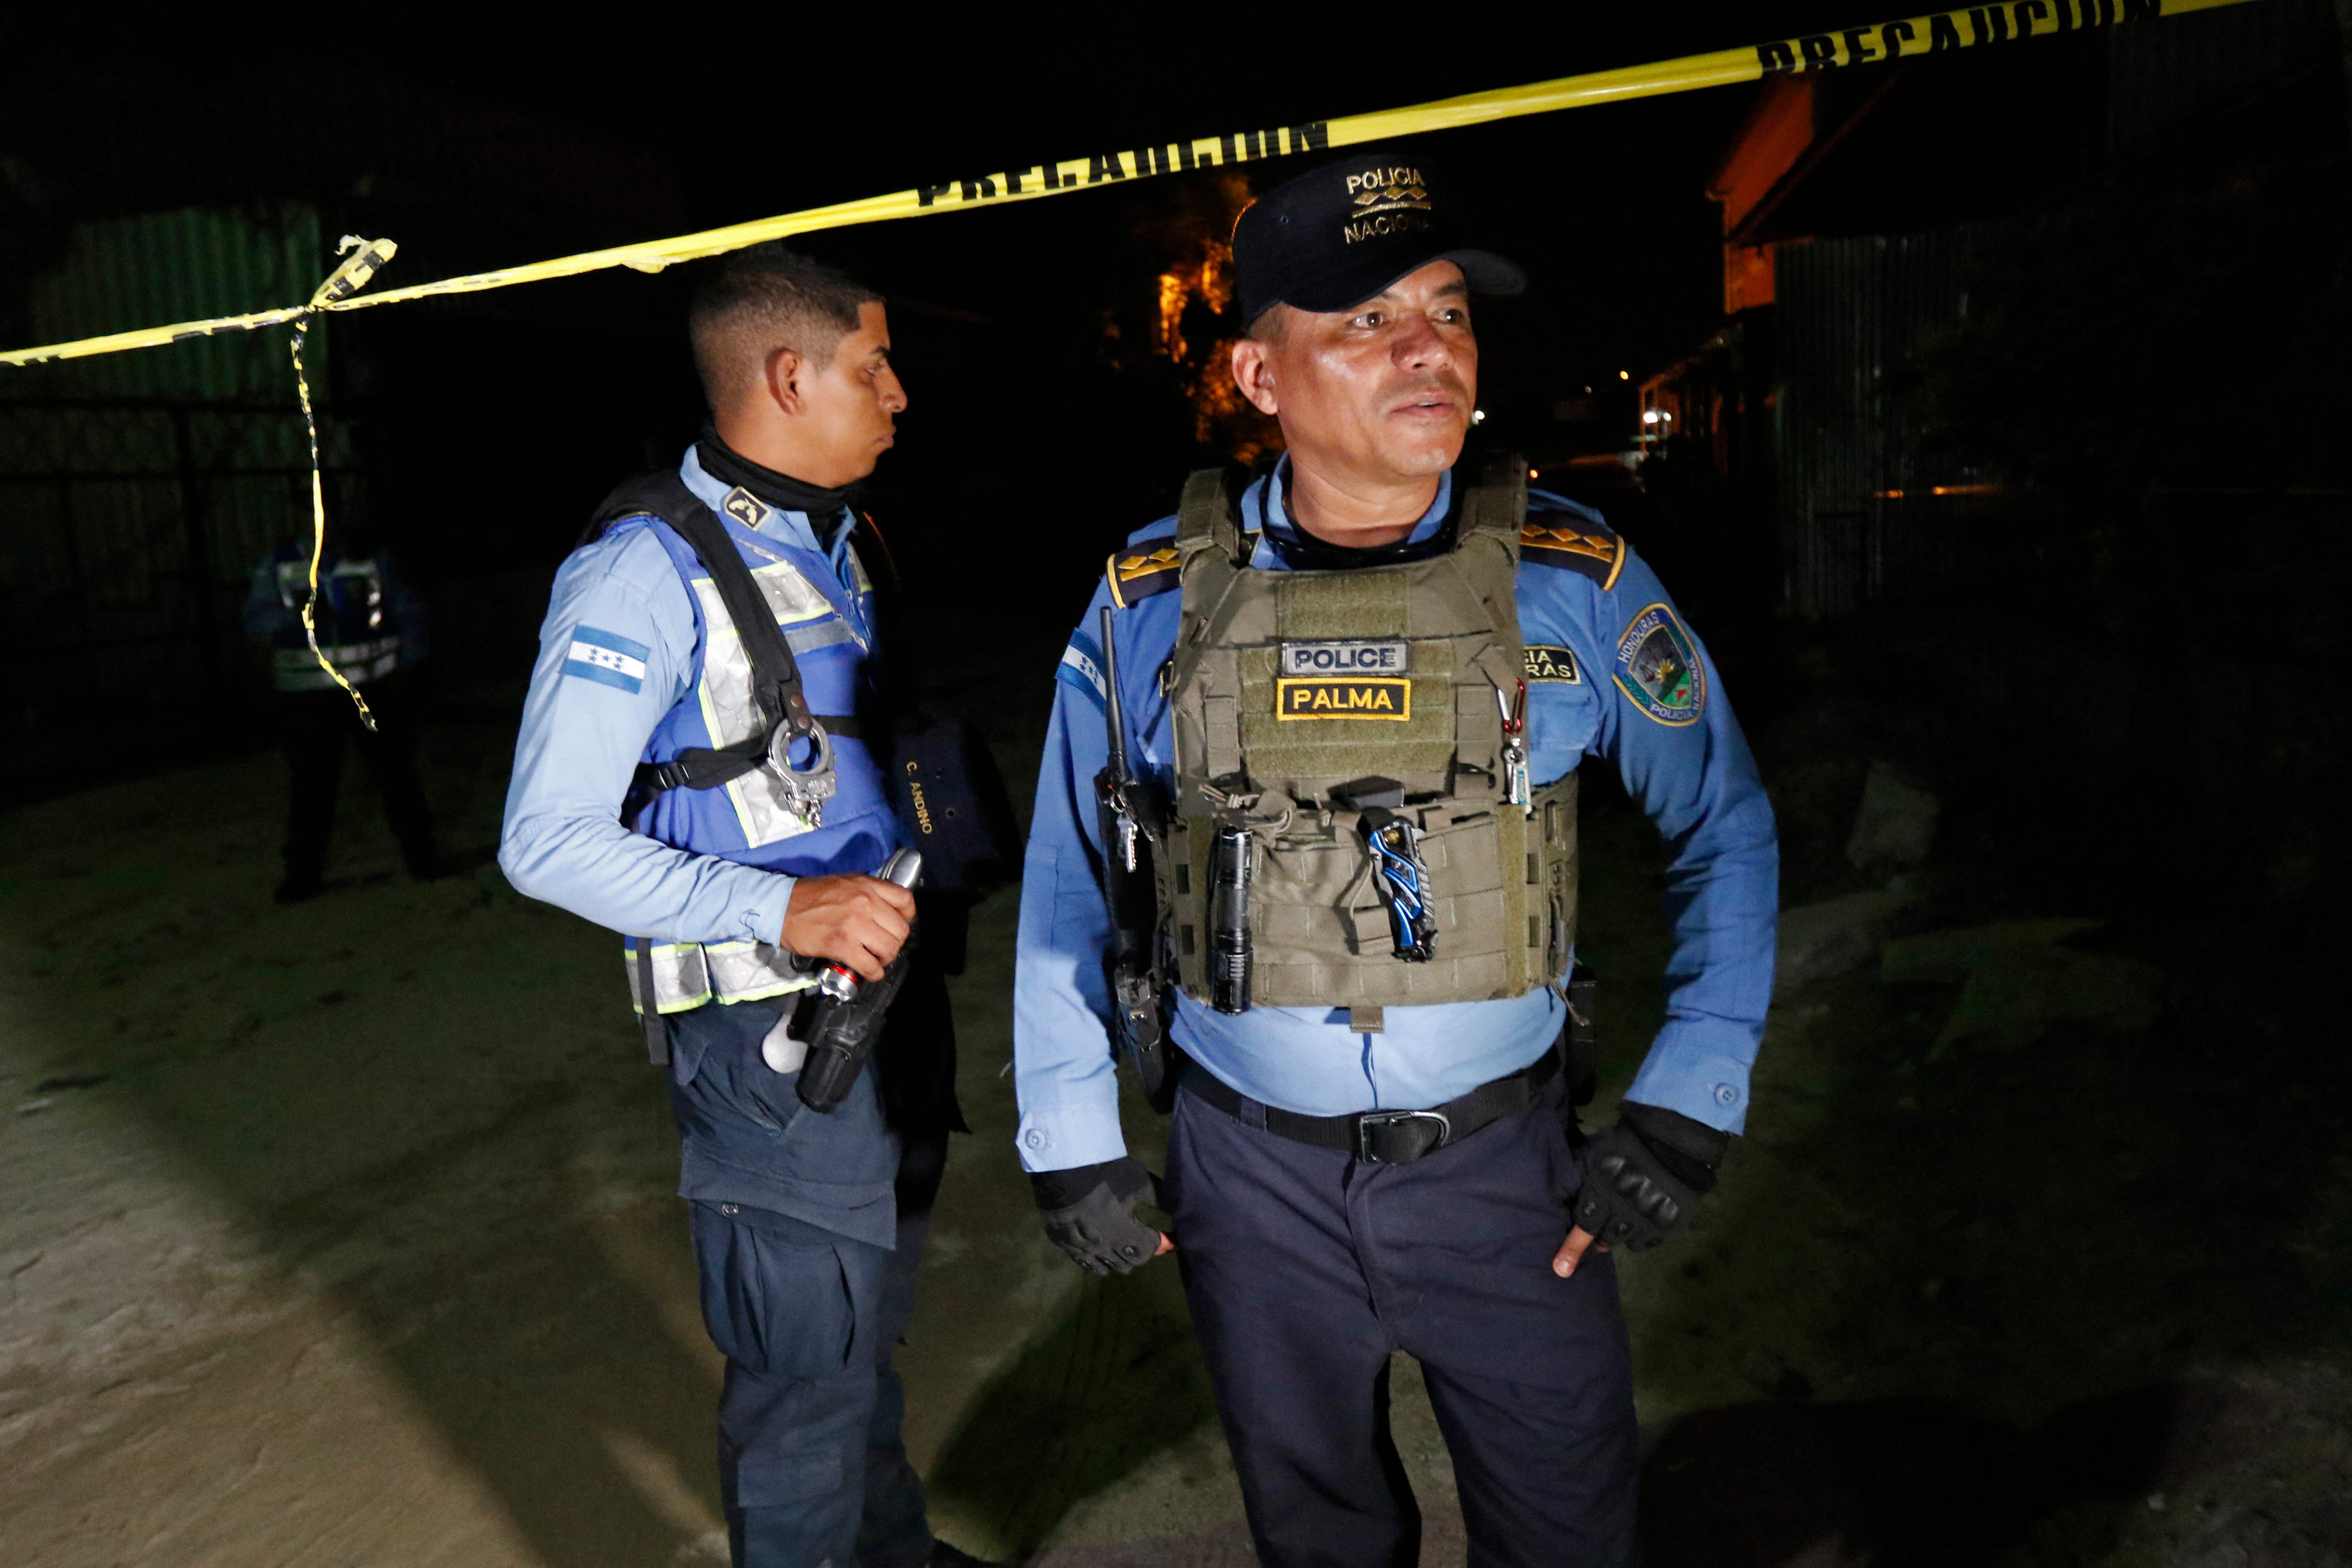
[1595, 551]
[1142, 574]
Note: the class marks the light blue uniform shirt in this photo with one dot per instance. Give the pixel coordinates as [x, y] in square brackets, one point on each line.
[1692, 773]
[620, 648]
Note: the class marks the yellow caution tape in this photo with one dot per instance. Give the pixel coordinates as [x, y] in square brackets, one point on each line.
[343, 282]
[1934, 33]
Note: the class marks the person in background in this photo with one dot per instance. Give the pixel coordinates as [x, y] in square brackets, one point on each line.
[373, 627]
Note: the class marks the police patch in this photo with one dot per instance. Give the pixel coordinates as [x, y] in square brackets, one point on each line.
[1658, 669]
[1386, 655]
[1550, 661]
[1351, 697]
[744, 508]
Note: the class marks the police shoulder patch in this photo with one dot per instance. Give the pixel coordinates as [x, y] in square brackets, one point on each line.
[1577, 541]
[1658, 670]
[1135, 574]
[745, 507]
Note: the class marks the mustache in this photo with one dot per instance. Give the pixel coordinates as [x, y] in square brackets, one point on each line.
[1438, 380]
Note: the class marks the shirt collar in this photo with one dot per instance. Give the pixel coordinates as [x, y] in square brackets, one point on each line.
[1264, 509]
[772, 522]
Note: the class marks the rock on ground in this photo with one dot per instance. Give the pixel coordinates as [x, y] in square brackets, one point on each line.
[1833, 937]
[1895, 826]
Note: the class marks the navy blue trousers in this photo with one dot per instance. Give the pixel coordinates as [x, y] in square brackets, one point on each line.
[812, 1467]
[1305, 1270]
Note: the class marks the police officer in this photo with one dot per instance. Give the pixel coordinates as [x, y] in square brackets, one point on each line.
[1359, 691]
[726, 812]
[371, 623]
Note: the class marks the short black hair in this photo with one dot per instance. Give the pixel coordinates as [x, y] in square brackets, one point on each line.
[1270, 325]
[767, 297]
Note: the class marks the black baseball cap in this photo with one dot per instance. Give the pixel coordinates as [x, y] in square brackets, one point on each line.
[1342, 233]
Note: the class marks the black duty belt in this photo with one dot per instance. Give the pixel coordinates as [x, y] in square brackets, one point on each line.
[1383, 1137]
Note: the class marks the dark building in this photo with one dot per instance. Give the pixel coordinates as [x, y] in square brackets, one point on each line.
[1860, 209]
[138, 489]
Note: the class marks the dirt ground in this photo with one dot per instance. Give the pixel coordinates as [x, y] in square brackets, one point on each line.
[344, 1234]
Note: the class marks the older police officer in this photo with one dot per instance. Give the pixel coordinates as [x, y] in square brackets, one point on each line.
[647, 797]
[1359, 691]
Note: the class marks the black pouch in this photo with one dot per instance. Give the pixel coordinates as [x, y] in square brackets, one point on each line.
[953, 801]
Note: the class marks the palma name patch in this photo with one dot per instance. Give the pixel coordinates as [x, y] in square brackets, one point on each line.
[1344, 697]
[1658, 669]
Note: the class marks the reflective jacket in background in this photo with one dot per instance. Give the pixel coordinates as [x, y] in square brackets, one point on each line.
[370, 621]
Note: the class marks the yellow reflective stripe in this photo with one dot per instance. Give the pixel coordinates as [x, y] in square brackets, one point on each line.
[751, 971]
[673, 1004]
[354, 652]
[687, 974]
[681, 978]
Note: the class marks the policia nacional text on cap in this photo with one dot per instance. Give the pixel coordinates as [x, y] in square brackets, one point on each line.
[1349, 795]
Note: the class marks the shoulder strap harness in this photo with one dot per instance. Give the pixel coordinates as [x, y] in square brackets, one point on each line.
[787, 725]
[785, 719]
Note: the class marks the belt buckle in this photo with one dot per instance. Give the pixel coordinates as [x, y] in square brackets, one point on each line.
[1369, 1120]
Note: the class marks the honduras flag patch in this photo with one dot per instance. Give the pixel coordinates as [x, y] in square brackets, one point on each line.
[608, 658]
[1081, 668]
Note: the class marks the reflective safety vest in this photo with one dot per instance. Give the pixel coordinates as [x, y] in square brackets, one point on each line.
[687, 974]
[1286, 685]
[753, 819]
[350, 622]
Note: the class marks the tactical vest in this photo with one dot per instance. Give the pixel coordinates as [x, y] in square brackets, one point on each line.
[1284, 685]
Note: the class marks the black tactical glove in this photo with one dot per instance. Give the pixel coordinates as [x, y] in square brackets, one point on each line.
[1089, 1212]
[1644, 1175]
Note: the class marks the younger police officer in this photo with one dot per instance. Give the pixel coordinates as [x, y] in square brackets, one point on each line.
[807, 1256]
[1362, 691]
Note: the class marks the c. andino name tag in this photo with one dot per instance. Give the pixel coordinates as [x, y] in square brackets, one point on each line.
[1345, 697]
[1384, 655]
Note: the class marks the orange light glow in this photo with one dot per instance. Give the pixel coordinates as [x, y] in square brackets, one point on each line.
[1174, 290]
[1989, 490]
